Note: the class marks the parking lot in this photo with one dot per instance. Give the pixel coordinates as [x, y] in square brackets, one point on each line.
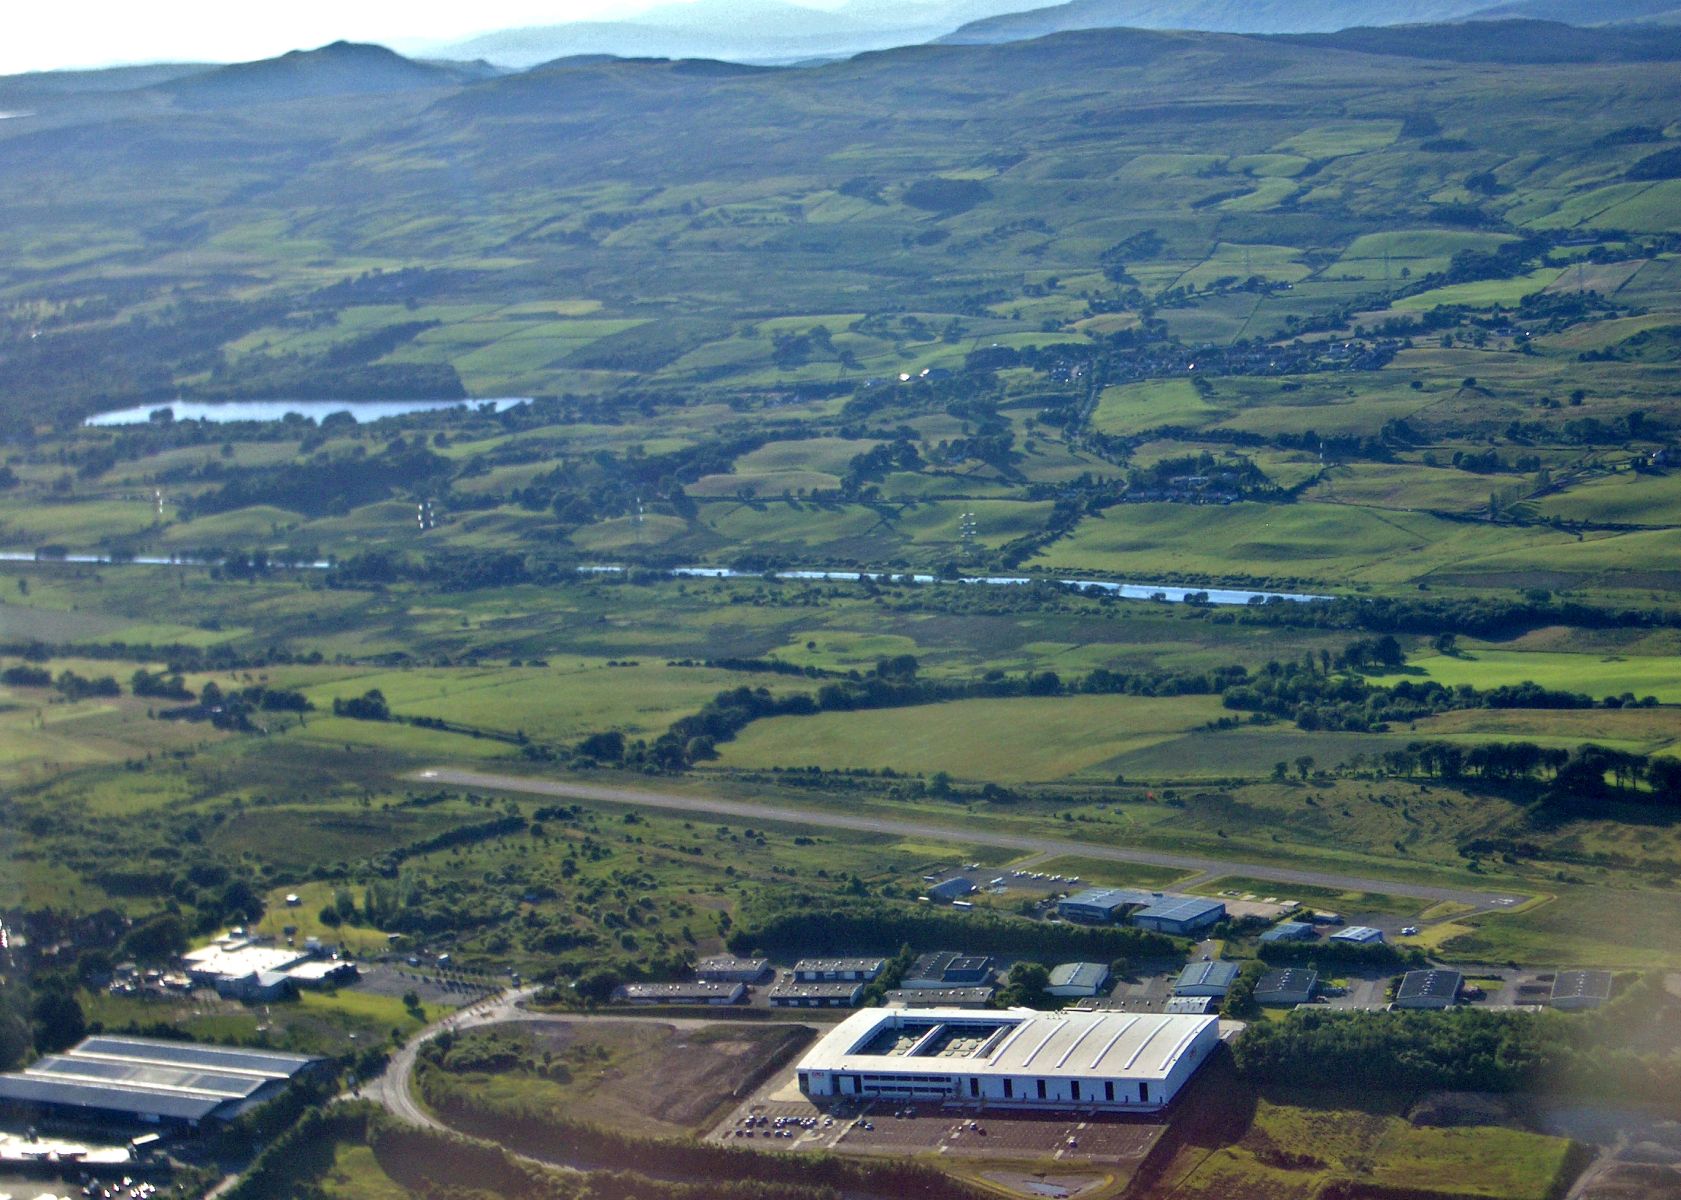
[778, 1117]
[389, 979]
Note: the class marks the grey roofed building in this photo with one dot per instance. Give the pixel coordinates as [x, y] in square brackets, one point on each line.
[1292, 985]
[1180, 915]
[1100, 904]
[727, 968]
[947, 968]
[1428, 989]
[826, 970]
[1188, 1006]
[796, 993]
[1358, 935]
[152, 1081]
[956, 997]
[1205, 978]
[1077, 979]
[1289, 931]
[1581, 989]
[698, 992]
[952, 889]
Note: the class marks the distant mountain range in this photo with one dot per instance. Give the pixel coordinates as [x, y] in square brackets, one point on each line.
[763, 31]
[774, 31]
[1289, 16]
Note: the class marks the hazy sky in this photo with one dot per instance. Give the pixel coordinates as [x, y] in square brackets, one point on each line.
[37, 35]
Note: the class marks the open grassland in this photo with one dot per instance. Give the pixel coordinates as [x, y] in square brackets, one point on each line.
[1136, 407]
[561, 702]
[1622, 498]
[1311, 543]
[1366, 1140]
[1012, 740]
[1597, 675]
[1581, 927]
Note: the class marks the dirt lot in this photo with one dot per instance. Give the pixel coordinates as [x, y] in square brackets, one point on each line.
[659, 1077]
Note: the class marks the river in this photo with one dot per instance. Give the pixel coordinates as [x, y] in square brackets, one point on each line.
[222, 411]
[1171, 593]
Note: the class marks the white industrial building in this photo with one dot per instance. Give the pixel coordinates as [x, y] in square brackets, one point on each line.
[1019, 1058]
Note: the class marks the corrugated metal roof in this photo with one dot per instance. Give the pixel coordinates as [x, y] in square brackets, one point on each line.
[1039, 1043]
[1079, 974]
[1207, 974]
[148, 1076]
[271, 1063]
[42, 1089]
[1182, 908]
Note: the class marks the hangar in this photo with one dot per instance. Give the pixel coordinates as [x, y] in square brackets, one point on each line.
[1182, 916]
[152, 1081]
[1018, 1058]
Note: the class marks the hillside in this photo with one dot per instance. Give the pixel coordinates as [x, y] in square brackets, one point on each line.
[340, 69]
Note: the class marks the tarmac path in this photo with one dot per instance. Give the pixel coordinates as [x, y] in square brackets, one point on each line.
[827, 819]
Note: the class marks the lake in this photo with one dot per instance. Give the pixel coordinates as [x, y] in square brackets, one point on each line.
[1171, 593]
[224, 411]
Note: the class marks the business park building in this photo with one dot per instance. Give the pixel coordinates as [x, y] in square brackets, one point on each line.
[1018, 1058]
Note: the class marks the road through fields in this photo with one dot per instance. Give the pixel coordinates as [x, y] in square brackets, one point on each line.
[825, 819]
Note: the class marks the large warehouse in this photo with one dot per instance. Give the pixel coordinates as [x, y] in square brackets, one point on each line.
[1019, 1058]
[146, 1080]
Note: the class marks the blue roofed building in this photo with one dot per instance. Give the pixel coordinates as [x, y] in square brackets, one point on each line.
[1181, 916]
[1206, 979]
[1077, 979]
[1102, 905]
[952, 889]
[1289, 931]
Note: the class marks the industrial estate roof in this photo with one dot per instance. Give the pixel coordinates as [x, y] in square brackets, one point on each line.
[1188, 1005]
[935, 997]
[817, 966]
[1181, 908]
[1105, 897]
[148, 1077]
[1288, 931]
[1582, 985]
[803, 989]
[1015, 1042]
[1363, 935]
[1289, 980]
[1079, 974]
[1207, 974]
[1433, 985]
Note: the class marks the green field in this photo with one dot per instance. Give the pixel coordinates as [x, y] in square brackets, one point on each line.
[1140, 406]
[1008, 741]
[1597, 676]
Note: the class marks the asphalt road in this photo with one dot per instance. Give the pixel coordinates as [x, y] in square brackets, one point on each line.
[826, 819]
[390, 1088]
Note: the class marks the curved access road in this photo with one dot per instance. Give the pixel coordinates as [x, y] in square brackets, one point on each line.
[862, 823]
[391, 1089]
